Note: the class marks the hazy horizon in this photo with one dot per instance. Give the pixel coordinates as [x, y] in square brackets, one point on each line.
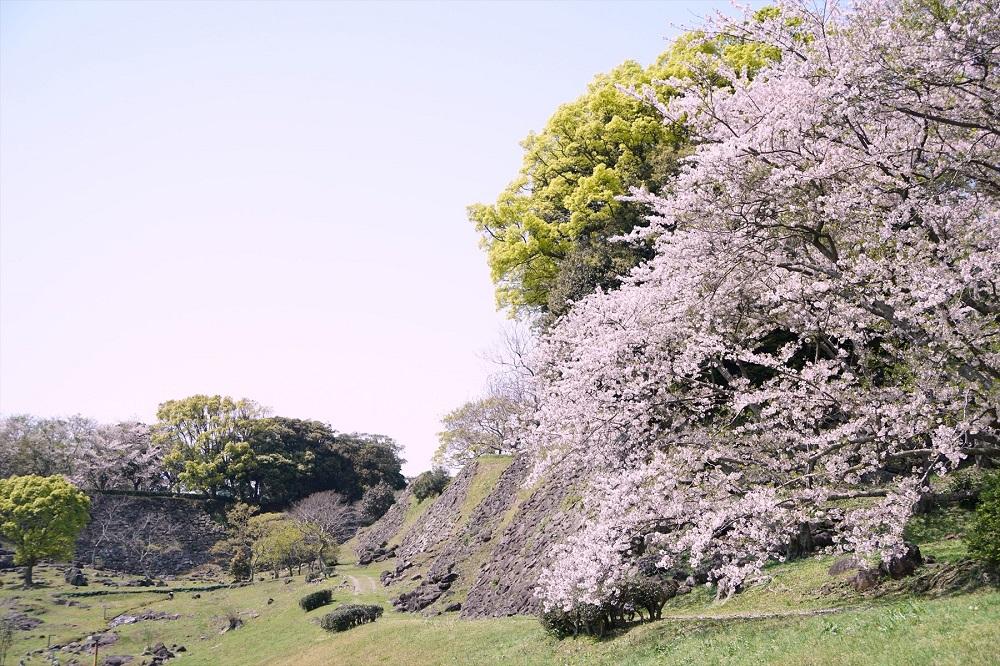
[267, 200]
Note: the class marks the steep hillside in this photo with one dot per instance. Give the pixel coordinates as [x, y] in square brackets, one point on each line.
[479, 546]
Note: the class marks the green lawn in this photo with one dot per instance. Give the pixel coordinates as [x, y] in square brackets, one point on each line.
[852, 629]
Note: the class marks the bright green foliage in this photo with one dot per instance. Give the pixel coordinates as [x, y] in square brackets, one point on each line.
[479, 427]
[547, 234]
[984, 537]
[278, 543]
[228, 447]
[208, 438]
[41, 516]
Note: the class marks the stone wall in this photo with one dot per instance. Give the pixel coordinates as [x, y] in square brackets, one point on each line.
[372, 541]
[156, 536]
[434, 527]
[505, 584]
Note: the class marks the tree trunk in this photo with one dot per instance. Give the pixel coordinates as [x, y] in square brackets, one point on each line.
[26, 575]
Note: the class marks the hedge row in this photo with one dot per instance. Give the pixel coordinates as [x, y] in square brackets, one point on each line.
[314, 600]
[350, 615]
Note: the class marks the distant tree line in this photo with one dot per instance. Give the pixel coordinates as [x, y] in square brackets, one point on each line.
[211, 445]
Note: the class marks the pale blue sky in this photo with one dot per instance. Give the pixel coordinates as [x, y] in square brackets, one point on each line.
[267, 200]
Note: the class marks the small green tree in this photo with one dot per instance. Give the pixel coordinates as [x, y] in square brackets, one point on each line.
[984, 537]
[238, 544]
[41, 516]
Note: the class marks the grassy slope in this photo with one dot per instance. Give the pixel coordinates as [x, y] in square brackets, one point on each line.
[962, 629]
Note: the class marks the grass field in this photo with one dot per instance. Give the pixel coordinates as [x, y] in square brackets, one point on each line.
[792, 619]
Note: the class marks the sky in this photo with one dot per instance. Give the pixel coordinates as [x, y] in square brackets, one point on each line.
[267, 200]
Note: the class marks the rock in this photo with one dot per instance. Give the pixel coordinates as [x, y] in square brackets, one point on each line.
[116, 660]
[142, 617]
[181, 648]
[866, 579]
[519, 546]
[683, 589]
[74, 576]
[145, 581]
[20, 621]
[196, 596]
[453, 607]
[270, 601]
[844, 564]
[904, 565]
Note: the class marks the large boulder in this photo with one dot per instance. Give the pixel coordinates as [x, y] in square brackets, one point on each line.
[75, 576]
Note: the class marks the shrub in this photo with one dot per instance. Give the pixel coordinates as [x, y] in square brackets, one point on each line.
[430, 484]
[648, 593]
[350, 615]
[584, 619]
[984, 536]
[314, 600]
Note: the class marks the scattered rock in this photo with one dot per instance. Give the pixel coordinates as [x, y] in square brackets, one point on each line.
[74, 576]
[141, 617]
[145, 581]
[87, 644]
[844, 564]
[196, 596]
[270, 601]
[20, 621]
[453, 607]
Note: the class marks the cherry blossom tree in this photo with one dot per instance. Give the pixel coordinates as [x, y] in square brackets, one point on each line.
[821, 320]
[122, 457]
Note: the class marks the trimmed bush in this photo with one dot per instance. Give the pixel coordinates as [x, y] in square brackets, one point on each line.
[314, 600]
[984, 536]
[350, 615]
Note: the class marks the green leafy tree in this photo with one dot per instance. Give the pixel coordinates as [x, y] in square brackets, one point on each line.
[430, 483]
[240, 536]
[41, 516]
[279, 543]
[547, 235]
[218, 445]
[984, 536]
[205, 436]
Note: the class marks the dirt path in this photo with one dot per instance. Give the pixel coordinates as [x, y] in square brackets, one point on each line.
[363, 584]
